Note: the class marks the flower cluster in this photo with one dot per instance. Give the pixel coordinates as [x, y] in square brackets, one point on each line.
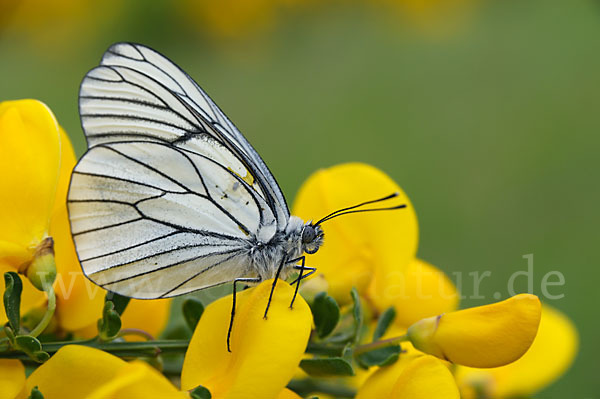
[375, 321]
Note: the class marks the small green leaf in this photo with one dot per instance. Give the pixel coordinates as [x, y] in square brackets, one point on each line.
[36, 394]
[32, 347]
[357, 314]
[326, 314]
[326, 367]
[110, 324]
[12, 299]
[379, 357]
[40, 356]
[120, 302]
[192, 311]
[28, 344]
[383, 323]
[200, 393]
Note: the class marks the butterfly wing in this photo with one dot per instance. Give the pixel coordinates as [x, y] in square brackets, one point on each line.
[138, 92]
[169, 197]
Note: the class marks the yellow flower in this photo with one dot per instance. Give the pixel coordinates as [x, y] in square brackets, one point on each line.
[287, 394]
[80, 372]
[425, 377]
[550, 355]
[485, 336]
[30, 161]
[12, 378]
[373, 251]
[427, 292]
[414, 376]
[264, 353]
[367, 250]
[36, 163]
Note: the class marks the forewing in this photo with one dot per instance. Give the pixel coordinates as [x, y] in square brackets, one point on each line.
[150, 219]
[138, 93]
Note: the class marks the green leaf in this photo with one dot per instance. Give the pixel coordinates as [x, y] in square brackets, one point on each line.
[379, 357]
[357, 314]
[36, 394]
[12, 299]
[192, 311]
[28, 344]
[110, 324]
[200, 393]
[383, 323]
[32, 347]
[327, 367]
[326, 314]
[120, 302]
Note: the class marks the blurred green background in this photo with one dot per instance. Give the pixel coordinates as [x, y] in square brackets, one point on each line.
[487, 113]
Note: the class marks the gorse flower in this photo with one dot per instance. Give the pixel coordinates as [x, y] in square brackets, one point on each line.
[265, 352]
[375, 251]
[36, 163]
[369, 251]
[550, 355]
[478, 337]
[79, 372]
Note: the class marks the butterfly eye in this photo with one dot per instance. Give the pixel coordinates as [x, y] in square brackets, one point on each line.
[308, 234]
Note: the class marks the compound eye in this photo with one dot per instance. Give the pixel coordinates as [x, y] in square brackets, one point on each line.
[308, 234]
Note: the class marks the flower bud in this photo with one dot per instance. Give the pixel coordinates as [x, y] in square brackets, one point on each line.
[41, 272]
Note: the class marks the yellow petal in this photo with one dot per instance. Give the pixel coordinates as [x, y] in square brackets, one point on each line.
[550, 355]
[425, 378]
[12, 378]
[29, 161]
[381, 382]
[148, 315]
[367, 250]
[79, 301]
[427, 292]
[288, 394]
[79, 372]
[485, 336]
[265, 353]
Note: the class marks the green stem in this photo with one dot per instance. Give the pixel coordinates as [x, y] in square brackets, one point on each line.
[49, 312]
[123, 349]
[379, 344]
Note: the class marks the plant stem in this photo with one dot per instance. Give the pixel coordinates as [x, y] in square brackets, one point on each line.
[379, 344]
[123, 349]
[49, 312]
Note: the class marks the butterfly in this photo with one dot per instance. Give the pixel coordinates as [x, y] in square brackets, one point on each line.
[170, 197]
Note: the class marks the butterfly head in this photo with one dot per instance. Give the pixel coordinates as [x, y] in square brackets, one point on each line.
[312, 238]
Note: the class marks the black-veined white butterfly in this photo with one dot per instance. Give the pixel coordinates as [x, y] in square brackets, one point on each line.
[170, 197]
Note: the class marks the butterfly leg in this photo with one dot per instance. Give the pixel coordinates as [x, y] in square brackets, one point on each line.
[237, 280]
[283, 262]
[300, 277]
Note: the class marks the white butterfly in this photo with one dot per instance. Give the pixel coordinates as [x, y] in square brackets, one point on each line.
[170, 197]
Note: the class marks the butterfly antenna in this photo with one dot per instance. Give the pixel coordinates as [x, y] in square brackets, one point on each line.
[352, 209]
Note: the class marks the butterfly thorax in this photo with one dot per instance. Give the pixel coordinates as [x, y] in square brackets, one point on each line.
[298, 238]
